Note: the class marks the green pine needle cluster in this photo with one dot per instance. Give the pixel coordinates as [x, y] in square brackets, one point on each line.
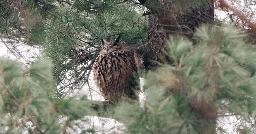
[64, 28]
[29, 96]
[212, 77]
[68, 30]
[217, 74]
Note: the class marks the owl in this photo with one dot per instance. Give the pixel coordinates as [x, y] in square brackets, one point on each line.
[114, 70]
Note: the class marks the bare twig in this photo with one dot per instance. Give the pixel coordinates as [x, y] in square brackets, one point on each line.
[243, 16]
[65, 127]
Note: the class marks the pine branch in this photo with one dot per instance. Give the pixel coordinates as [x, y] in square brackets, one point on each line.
[35, 124]
[98, 106]
[123, 1]
[225, 5]
[65, 1]
[66, 126]
[18, 104]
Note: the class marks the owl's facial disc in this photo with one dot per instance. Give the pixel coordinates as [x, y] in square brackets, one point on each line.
[109, 47]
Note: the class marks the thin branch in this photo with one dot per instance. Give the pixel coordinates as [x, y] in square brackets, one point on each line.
[64, 1]
[18, 104]
[65, 127]
[225, 5]
[123, 1]
[35, 124]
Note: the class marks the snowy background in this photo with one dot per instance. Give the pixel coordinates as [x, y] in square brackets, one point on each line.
[28, 54]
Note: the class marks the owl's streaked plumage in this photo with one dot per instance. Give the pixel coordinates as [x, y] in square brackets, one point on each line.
[114, 69]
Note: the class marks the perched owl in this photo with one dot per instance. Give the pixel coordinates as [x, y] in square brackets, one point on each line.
[114, 70]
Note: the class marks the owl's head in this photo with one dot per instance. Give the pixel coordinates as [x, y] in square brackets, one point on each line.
[111, 46]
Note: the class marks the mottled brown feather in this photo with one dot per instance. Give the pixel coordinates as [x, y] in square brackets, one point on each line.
[114, 69]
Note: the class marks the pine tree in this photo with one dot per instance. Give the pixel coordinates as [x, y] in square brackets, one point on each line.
[192, 77]
[211, 79]
[29, 102]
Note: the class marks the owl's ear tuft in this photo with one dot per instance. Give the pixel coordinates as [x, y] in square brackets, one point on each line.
[117, 40]
[104, 42]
